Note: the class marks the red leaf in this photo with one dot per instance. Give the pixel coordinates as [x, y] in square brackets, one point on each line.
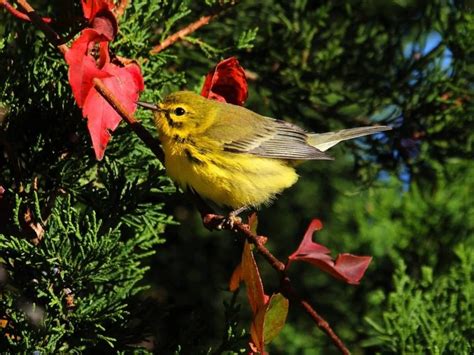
[100, 16]
[251, 276]
[105, 23]
[236, 278]
[307, 245]
[256, 331]
[255, 293]
[82, 66]
[347, 267]
[253, 222]
[91, 7]
[226, 83]
[124, 81]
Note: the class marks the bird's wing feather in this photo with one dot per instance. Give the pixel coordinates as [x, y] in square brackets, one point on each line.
[324, 141]
[262, 136]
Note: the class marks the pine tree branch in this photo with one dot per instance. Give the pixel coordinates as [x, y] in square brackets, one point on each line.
[185, 31]
[212, 221]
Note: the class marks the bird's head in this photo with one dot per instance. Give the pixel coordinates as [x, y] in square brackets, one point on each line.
[181, 113]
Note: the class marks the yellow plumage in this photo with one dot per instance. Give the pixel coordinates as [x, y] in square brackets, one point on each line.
[231, 155]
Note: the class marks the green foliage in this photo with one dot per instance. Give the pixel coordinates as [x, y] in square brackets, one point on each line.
[67, 293]
[432, 314]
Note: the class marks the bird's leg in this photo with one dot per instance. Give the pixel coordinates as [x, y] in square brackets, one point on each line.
[232, 218]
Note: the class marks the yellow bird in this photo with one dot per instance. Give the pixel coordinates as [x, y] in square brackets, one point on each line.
[232, 156]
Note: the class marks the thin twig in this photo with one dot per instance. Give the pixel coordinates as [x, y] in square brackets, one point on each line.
[52, 36]
[141, 132]
[204, 20]
[185, 31]
[211, 221]
[18, 14]
[289, 292]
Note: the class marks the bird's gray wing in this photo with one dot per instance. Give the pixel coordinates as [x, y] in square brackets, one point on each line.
[265, 137]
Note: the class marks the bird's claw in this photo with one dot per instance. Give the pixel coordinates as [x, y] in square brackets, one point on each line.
[229, 222]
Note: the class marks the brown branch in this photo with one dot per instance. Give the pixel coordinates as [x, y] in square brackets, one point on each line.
[185, 31]
[50, 34]
[211, 221]
[289, 292]
[141, 131]
[18, 14]
[175, 37]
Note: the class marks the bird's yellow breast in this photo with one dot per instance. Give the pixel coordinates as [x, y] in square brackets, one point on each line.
[230, 179]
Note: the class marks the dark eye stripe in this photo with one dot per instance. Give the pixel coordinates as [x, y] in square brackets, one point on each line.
[172, 123]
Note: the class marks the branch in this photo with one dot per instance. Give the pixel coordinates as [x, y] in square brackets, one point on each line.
[290, 293]
[18, 14]
[211, 221]
[141, 131]
[182, 33]
[50, 34]
[185, 31]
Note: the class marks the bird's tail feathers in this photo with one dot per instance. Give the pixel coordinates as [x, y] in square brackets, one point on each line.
[324, 141]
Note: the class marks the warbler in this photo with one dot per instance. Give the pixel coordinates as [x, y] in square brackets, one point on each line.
[233, 156]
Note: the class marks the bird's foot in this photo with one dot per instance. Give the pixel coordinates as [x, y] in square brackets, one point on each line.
[229, 222]
[231, 219]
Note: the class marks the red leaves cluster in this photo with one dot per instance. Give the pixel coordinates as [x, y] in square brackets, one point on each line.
[269, 313]
[89, 58]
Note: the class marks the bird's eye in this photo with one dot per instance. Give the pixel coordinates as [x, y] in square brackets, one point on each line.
[179, 111]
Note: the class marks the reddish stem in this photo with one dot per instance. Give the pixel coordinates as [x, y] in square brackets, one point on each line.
[18, 14]
[185, 31]
[182, 33]
[289, 292]
[211, 221]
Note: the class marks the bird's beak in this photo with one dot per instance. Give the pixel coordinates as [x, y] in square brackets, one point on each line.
[149, 106]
